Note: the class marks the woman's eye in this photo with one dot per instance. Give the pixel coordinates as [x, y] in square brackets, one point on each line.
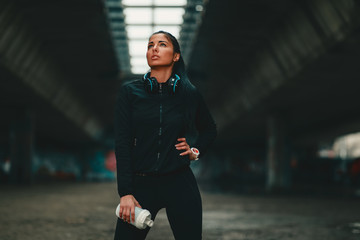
[150, 46]
[163, 44]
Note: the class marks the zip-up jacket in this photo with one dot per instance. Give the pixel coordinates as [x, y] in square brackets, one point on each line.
[147, 126]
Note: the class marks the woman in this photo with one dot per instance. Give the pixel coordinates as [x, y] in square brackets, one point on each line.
[153, 154]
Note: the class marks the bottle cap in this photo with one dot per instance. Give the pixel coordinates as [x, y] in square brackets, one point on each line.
[149, 222]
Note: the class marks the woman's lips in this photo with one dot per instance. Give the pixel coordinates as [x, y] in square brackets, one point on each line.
[154, 57]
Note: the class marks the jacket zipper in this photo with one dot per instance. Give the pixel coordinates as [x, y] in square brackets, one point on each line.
[160, 127]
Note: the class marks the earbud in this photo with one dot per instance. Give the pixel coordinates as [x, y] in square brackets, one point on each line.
[151, 84]
[173, 84]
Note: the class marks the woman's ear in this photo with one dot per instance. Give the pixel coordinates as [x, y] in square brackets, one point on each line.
[176, 57]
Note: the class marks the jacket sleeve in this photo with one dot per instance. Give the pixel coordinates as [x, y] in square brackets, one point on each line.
[122, 126]
[205, 126]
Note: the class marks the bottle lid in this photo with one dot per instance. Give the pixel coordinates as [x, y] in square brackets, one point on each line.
[149, 222]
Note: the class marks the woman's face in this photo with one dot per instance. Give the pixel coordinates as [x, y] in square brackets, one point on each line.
[160, 52]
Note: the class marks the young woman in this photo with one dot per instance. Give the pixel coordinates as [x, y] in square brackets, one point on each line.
[152, 118]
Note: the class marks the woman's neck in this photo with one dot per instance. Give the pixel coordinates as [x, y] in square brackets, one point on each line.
[161, 75]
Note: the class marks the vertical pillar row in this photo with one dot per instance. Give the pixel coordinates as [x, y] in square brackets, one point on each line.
[278, 157]
[21, 147]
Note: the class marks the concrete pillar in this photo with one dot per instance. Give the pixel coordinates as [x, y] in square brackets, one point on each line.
[21, 147]
[278, 157]
[83, 160]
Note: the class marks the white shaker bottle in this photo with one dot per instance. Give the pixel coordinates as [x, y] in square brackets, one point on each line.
[142, 217]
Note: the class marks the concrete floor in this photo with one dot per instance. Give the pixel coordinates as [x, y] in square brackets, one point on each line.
[86, 211]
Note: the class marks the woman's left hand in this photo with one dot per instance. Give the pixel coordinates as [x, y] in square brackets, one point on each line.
[184, 146]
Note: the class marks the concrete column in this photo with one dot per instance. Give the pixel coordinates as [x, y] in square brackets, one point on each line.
[21, 147]
[278, 157]
[83, 160]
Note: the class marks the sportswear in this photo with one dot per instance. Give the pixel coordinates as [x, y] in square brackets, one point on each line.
[147, 126]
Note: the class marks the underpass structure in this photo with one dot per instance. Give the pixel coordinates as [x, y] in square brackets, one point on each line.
[279, 77]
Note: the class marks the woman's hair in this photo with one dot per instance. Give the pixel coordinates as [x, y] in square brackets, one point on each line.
[179, 66]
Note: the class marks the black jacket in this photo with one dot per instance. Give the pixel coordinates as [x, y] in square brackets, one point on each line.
[147, 126]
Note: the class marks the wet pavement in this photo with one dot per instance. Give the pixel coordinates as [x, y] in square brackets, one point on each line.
[86, 211]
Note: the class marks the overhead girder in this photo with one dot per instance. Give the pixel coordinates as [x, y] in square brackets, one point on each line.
[64, 61]
[253, 50]
[25, 58]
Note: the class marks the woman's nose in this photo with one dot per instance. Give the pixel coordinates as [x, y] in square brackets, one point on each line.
[156, 48]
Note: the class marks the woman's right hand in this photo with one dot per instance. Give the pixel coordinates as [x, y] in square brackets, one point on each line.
[127, 207]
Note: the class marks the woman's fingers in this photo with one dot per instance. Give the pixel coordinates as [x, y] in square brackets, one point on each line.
[121, 212]
[181, 144]
[187, 148]
[127, 208]
[137, 204]
[132, 212]
[190, 153]
[185, 153]
[127, 215]
[183, 147]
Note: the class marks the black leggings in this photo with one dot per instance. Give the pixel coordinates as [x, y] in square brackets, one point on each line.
[179, 194]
